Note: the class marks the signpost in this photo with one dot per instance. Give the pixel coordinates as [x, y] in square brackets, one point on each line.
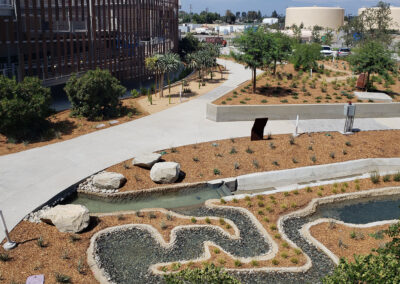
[9, 245]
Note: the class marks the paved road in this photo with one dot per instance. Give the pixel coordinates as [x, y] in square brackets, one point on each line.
[29, 179]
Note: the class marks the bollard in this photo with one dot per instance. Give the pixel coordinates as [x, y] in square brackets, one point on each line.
[9, 245]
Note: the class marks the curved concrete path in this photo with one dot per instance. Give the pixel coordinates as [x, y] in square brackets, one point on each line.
[29, 179]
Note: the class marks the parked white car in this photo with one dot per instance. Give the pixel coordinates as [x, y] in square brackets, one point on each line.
[326, 50]
[344, 51]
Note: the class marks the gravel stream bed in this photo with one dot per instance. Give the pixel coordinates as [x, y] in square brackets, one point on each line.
[127, 255]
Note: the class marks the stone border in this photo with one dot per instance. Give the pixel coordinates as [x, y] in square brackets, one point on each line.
[305, 232]
[226, 113]
[94, 261]
[101, 276]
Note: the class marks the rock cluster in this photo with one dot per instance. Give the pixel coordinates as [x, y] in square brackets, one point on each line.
[70, 218]
[103, 182]
[146, 161]
[166, 172]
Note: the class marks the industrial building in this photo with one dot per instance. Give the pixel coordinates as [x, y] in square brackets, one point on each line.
[395, 14]
[326, 17]
[52, 39]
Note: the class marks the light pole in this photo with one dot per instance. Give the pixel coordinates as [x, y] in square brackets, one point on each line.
[9, 245]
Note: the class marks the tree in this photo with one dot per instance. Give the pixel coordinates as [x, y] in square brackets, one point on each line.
[230, 17]
[255, 47]
[381, 266]
[153, 65]
[305, 56]
[171, 63]
[24, 107]
[372, 24]
[316, 34]
[274, 14]
[328, 37]
[188, 44]
[372, 58]
[282, 48]
[208, 275]
[296, 32]
[95, 95]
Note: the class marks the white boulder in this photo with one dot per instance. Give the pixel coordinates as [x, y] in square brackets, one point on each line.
[146, 161]
[108, 180]
[70, 218]
[166, 172]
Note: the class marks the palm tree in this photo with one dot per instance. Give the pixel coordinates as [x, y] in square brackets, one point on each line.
[170, 62]
[194, 62]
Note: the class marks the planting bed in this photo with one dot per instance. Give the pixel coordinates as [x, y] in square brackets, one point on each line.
[241, 156]
[346, 241]
[65, 127]
[292, 87]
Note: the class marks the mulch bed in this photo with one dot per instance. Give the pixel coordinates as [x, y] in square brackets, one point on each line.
[362, 244]
[65, 127]
[234, 157]
[289, 86]
[66, 256]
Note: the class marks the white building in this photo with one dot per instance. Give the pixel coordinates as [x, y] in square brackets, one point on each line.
[270, 21]
[326, 17]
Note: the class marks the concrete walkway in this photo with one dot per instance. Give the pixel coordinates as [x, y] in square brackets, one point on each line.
[29, 179]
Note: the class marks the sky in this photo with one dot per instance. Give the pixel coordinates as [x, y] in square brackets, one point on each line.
[267, 6]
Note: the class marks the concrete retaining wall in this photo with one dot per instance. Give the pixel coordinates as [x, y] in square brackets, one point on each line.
[221, 113]
[272, 179]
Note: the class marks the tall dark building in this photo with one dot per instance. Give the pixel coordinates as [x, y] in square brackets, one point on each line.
[52, 39]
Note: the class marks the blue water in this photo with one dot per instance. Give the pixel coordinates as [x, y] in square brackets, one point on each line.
[362, 211]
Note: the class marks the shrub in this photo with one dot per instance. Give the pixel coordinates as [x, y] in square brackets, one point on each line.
[95, 95]
[256, 164]
[284, 255]
[249, 150]
[40, 242]
[285, 245]
[238, 263]
[375, 177]
[233, 151]
[217, 172]
[396, 177]
[297, 251]
[254, 262]
[387, 178]
[273, 227]
[24, 107]
[61, 278]
[135, 93]
[294, 260]
[275, 262]
[4, 257]
[207, 220]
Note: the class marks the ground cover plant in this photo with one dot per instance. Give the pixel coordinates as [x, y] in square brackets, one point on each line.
[231, 159]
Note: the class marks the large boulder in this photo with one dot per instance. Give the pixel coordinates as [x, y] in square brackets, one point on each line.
[146, 161]
[109, 180]
[71, 218]
[166, 172]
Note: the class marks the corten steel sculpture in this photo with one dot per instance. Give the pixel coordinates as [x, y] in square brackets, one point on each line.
[257, 132]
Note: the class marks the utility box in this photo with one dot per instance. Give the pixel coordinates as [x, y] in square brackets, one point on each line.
[350, 110]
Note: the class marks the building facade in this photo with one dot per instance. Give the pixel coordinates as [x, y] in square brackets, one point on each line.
[52, 39]
[326, 17]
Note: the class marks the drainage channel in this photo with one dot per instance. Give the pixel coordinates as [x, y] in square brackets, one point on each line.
[192, 197]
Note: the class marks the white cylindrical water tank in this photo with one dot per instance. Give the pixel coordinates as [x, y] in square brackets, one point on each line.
[326, 17]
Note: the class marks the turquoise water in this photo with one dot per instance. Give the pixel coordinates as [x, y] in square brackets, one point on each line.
[185, 198]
